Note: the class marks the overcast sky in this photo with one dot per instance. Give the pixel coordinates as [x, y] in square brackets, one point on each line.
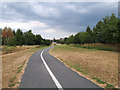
[55, 19]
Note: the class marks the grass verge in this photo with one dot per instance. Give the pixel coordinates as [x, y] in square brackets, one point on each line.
[20, 68]
[13, 84]
[97, 65]
[98, 46]
[11, 49]
[76, 67]
[13, 65]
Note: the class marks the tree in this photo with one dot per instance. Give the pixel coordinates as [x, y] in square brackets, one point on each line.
[88, 29]
[13, 32]
[113, 26]
[29, 38]
[90, 34]
[84, 37]
[110, 31]
[6, 35]
[47, 42]
[19, 37]
[76, 39]
[97, 32]
[12, 41]
[70, 39]
[38, 40]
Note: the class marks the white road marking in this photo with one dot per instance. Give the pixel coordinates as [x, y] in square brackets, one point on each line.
[51, 74]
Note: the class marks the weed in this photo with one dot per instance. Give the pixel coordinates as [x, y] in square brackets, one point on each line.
[109, 86]
[13, 78]
[24, 62]
[76, 67]
[13, 84]
[19, 71]
[20, 67]
[98, 80]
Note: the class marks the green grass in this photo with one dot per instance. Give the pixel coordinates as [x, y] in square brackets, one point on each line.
[20, 68]
[13, 78]
[102, 82]
[76, 67]
[109, 86]
[98, 80]
[13, 84]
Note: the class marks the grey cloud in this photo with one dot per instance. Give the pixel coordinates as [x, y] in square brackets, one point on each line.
[68, 19]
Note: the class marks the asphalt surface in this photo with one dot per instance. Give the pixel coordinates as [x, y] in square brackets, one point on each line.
[37, 74]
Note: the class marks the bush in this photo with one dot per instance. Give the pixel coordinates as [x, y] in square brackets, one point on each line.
[98, 46]
[11, 49]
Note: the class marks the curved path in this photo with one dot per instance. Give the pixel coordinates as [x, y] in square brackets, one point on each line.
[45, 71]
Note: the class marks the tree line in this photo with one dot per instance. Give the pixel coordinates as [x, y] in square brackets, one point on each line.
[12, 38]
[106, 31]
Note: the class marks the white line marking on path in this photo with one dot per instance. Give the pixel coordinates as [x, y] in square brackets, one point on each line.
[51, 74]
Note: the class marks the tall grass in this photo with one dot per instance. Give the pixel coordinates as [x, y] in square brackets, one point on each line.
[98, 46]
[11, 49]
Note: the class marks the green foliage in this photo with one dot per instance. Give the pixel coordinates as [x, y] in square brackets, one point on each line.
[47, 42]
[13, 84]
[88, 29]
[19, 37]
[76, 67]
[20, 68]
[98, 80]
[12, 79]
[109, 86]
[76, 39]
[29, 38]
[38, 40]
[12, 38]
[12, 41]
[106, 31]
[70, 39]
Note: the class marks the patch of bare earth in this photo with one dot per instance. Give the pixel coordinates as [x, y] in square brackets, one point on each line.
[10, 64]
[101, 64]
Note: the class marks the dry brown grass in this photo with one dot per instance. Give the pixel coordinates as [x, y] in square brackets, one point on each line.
[99, 46]
[10, 64]
[101, 64]
[11, 49]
